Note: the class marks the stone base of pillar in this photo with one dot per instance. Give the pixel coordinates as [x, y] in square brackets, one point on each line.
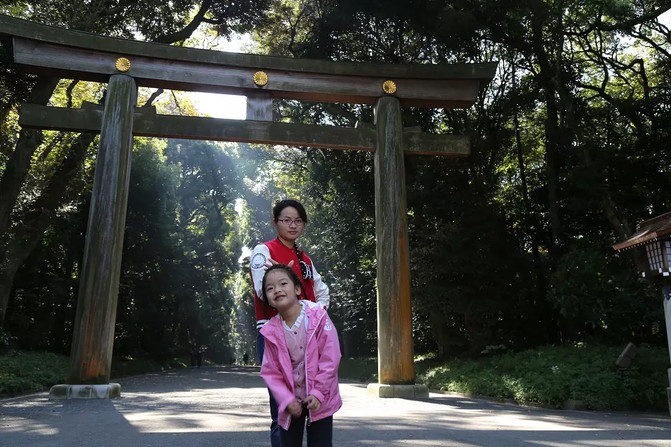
[103, 391]
[403, 391]
[668, 394]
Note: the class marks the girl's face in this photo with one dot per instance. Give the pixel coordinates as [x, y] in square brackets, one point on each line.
[289, 225]
[280, 291]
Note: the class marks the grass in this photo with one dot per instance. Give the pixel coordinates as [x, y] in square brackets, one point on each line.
[24, 372]
[546, 377]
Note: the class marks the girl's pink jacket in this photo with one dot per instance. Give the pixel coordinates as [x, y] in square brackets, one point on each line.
[322, 357]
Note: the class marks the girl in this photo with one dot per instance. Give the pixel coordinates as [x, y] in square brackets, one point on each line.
[300, 361]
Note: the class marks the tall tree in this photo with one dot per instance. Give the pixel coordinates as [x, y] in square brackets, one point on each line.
[580, 109]
[157, 21]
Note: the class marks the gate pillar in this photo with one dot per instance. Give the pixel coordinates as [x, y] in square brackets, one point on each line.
[396, 377]
[93, 337]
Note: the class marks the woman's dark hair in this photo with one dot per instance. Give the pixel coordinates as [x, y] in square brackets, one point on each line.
[306, 269]
[290, 273]
[279, 206]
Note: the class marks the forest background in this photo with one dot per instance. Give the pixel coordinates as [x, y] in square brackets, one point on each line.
[510, 248]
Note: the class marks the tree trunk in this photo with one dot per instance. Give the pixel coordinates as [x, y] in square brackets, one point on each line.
[18, 165]
[17, 252]
[19, 162]
[36, 220]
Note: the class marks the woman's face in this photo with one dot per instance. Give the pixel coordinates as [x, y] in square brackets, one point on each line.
[289, 225]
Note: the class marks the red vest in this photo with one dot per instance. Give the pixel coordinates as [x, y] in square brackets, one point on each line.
[284, 255]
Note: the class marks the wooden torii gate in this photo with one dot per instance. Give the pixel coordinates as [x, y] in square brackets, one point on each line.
[127, 64]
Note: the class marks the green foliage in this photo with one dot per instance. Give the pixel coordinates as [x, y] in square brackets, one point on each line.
[550, 376]
[597, 301]
[151, 19]
[31, 371]
[27, 371]
[510, 248]
[547, 377]
[7, 341]
[361, 369]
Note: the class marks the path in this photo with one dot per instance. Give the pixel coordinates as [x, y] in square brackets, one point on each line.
[227, 406]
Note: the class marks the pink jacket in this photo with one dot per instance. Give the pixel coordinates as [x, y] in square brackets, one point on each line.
[322, 357]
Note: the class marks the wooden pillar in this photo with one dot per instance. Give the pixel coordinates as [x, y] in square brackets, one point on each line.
[259, 106]
[394, 321]
[666, 301]
[93, 338]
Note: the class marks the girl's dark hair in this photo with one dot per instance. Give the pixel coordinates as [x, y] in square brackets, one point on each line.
[279, 206]
[290, 273]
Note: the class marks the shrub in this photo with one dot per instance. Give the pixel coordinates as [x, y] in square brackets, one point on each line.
[550, 376]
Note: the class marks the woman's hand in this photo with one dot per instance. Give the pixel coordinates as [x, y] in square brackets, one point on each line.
[295, 409]
[272, 262]
[312, 403]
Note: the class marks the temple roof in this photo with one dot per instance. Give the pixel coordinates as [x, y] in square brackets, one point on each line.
[648, 231]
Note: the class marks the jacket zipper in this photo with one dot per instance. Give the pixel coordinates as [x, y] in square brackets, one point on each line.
[307, 391]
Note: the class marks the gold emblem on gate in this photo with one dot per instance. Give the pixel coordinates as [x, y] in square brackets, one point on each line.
[389, 87]
[122, 64]
[260, 78]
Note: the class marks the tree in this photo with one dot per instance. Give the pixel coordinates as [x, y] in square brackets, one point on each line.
[157, 21]
[551, 138]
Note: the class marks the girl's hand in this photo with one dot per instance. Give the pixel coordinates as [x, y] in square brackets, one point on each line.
[312, 403]
[295, 409]
[272, 262]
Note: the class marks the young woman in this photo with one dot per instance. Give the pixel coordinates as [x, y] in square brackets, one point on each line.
[300, 362]
[289, 220]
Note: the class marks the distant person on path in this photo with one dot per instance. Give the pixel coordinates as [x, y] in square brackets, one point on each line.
[289, 219]
[300, 361]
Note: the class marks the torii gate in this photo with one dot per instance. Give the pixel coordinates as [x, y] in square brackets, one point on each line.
[126, 64]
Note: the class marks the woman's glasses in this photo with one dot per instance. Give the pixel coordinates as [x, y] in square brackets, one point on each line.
[286, 221]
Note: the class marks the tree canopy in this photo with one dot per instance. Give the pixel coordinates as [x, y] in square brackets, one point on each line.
[510, 247]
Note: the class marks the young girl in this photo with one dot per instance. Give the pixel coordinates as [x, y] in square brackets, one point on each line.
[289, 220]
[300, 361]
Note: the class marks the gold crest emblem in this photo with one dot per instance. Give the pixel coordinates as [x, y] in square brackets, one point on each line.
[122, 64]
[260, 78]
[389, 87]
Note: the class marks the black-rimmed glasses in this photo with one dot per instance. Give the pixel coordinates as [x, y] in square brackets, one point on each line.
[286, 221]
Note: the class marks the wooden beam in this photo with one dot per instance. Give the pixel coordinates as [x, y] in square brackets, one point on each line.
[149, 124]
[12, 26]
[325, 86]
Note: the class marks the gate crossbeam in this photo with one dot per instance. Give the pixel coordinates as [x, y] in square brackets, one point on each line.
[147, 123]
[74, 54]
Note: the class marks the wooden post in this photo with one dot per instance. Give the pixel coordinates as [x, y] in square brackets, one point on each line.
[666, 300]
[395, 351]
[93, 338]
[259, 106]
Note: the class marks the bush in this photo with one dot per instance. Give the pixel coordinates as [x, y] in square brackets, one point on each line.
[7, 341]
[550, 376]
[23, 372]
[362, 370]
[31, 371]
